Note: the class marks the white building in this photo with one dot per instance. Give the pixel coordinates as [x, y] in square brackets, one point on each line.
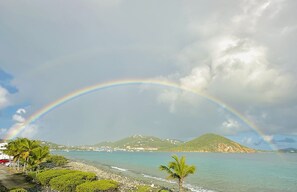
[2, 148]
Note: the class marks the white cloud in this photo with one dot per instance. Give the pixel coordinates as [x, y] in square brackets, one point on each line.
[199, 78]
[21, 111]
[3, 97]
[268, 138]
[30, 131]
[169, 97]
[231, 126]
[236, 57]
[2, 131]
[247, 140]
[18, 118]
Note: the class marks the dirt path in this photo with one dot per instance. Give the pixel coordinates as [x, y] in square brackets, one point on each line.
[10, 179]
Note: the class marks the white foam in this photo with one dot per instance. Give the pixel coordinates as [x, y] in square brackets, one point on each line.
[157, 178]
[118, 168]
[196, 188]
[188, 186]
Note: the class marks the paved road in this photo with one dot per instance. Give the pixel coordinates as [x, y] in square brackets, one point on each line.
[10, 179]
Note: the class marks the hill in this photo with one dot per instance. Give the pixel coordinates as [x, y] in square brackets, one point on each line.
[288, 150]
[212, 143]
[139, 142]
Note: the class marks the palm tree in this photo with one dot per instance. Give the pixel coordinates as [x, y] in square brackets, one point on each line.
[178, 169]
[13, 149]
[38, 156]
[27, 146]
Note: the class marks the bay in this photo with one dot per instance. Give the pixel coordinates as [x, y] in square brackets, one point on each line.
[221, 172]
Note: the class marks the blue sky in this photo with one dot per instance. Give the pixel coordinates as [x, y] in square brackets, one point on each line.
[241, 52]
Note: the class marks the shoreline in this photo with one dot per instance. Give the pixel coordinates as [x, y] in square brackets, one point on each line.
[127, 182]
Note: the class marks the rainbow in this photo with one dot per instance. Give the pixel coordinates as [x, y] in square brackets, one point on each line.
[13, 132]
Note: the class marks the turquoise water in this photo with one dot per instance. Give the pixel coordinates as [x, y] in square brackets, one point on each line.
[262, 172]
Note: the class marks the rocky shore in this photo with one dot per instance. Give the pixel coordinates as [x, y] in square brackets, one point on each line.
[126, 183]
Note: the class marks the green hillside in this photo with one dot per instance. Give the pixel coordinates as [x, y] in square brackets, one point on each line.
[139, 141]
[103, 144]
[212, 143]
[52, 145]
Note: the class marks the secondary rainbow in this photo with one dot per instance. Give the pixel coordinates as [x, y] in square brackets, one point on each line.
[106, 85]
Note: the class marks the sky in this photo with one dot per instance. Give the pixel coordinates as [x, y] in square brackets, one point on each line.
[241, 52]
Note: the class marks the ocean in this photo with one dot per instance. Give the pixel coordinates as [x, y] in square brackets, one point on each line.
[217, 172]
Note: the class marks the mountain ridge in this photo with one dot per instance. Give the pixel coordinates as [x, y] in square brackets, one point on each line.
[140, 141]
[205, 143]
[212, 143]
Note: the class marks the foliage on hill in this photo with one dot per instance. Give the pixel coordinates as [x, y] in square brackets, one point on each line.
[139, 141]
[212, 143]
[52, 145]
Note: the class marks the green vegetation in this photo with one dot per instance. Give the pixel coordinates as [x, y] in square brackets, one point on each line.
[96, 186]
[57, 160]
[139, 141]
[44, 177]
[68, 182]
[32, 157]
[27, 153]
[3, 188]
[178, 169]
[144, 188]
[212, 143]
[18, 190]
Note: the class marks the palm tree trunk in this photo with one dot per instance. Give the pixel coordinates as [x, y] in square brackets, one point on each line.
[18, 164]
[180, 185]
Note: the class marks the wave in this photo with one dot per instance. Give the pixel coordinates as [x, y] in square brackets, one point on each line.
[157, 178]
[196, 188]
[118, 168]
[188, 186]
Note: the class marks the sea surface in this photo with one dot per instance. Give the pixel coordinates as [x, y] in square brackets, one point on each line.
[221, 172]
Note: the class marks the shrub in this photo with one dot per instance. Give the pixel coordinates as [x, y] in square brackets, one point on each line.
[97, 186]
[144, 188]
[18, 190]
[31, 176]
[3, 188]
[57, 160]
[44, 177]
[68, 182]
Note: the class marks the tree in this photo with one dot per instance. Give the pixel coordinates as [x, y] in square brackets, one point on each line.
[27, 146]
[178, 169]
[38, 156]
[13, 149]
[28, 152]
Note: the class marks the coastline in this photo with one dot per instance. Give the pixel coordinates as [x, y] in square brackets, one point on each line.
[127, 183]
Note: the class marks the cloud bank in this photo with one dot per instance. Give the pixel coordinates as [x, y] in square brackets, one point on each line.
[241, 52]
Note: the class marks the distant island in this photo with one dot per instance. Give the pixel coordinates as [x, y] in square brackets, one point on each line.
[212, 143]
[205, 143]
[288, 150]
